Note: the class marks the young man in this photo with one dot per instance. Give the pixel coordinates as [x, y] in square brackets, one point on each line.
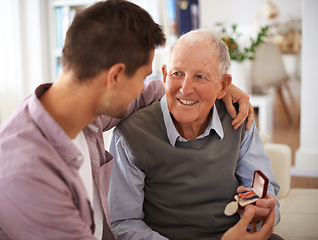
[54, 173]
[178, 161]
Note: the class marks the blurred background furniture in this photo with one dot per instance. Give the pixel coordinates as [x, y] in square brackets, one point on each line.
[268, 73]
[298, 206]
[264, 118]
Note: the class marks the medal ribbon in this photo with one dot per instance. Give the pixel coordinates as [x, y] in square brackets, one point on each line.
[248, 195]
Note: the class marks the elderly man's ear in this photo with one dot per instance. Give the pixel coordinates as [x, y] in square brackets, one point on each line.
[164, 73]
[226, 82]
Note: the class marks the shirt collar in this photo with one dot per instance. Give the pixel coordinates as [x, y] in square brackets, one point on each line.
[172, 133]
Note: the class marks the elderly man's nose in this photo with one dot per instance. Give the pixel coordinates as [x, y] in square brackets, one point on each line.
[186, 86]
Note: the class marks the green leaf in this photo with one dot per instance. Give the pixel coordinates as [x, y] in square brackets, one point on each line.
[237, 52]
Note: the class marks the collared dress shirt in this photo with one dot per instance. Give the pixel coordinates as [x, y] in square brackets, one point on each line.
[127, 194]
[42, 195]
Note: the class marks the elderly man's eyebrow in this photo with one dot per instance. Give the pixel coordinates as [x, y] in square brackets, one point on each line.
[205, 73]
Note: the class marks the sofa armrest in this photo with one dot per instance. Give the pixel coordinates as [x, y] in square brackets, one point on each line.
[280, 157]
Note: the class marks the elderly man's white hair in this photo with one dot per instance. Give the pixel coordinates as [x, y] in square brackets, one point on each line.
[203, 35]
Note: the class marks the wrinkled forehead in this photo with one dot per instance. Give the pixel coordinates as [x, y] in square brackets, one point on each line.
[203, 52]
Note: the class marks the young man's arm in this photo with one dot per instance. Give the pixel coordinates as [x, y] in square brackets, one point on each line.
[246, 110]
[154, 90]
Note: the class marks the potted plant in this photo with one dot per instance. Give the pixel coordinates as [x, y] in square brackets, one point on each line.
[231, 37]
[240, 54]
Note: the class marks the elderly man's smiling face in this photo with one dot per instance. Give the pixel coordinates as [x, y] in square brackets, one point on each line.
[192, 83]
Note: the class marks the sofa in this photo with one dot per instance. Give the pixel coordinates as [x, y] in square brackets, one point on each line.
[298, 207]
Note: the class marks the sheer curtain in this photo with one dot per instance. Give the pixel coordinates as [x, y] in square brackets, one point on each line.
[24, 51]
[11, 83]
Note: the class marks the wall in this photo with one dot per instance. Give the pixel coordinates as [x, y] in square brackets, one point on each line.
[243, 12]
[247, 14]
[307, 154]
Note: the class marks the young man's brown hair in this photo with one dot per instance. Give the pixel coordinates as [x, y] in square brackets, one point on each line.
[110, 32]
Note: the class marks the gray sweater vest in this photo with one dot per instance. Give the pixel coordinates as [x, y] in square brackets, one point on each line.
[187, 186]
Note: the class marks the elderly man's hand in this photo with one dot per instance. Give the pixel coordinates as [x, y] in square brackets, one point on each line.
[239, 232]
[233, 95]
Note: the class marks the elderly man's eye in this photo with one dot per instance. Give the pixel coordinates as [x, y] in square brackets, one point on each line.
[176, 74]
[200, 77]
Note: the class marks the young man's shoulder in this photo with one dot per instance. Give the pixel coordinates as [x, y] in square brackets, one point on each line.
[24, 147]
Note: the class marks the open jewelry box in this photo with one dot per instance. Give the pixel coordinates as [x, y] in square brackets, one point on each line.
[258, 190]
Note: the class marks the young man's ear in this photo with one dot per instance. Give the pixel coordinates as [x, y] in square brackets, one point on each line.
[115, 73]
[226, 82]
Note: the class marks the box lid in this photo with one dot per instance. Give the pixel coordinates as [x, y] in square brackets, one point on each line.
[260, 184]
[259, 187]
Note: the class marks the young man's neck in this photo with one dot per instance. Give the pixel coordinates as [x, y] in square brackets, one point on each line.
[70, 103]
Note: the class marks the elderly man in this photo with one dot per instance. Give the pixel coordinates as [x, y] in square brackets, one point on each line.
[179, 162]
